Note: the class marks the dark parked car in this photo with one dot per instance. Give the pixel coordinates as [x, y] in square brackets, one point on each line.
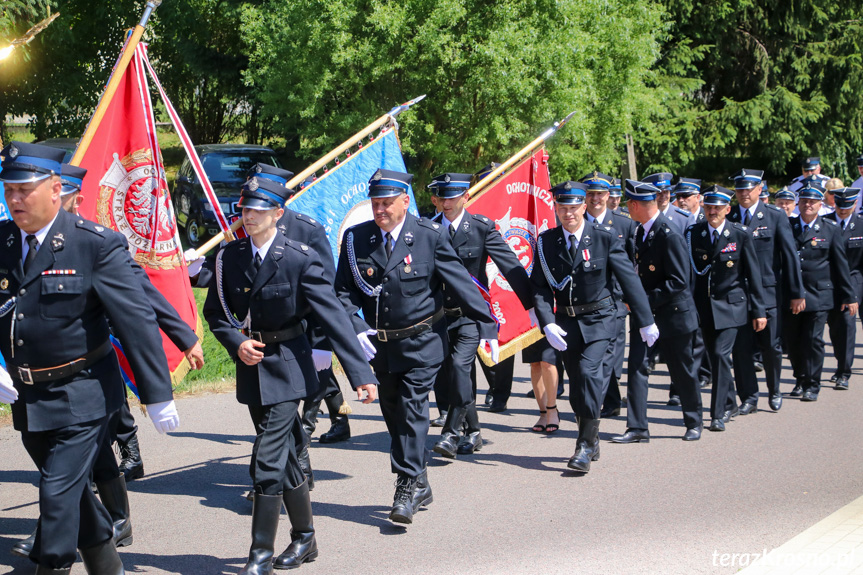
[67, 144]
[226, 166]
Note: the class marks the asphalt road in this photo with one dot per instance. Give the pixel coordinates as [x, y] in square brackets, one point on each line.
[664, 507]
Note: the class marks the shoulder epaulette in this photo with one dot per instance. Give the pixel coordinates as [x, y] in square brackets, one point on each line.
[602, 227]
[429, 224]
[682, 212]
[831, 220]
[299, 246]
[737, 225]
[307, 219]
[774, 208]
[480, 218]
[90, 226]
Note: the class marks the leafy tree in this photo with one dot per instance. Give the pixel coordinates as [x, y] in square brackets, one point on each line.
[757, 83]
[496, 74]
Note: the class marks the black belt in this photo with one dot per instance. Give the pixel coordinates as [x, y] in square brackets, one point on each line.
[31, 375]
[577, 310]
[416, 329]
[452, 311]
[275, 336]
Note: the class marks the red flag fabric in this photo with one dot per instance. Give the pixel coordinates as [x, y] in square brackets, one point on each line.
[125, 189]
[522, 207]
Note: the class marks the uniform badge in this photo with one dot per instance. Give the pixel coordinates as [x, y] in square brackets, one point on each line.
[704, 234]
[726, 233]
[409, 238]
[650, 235]
[435, 226]
[817, 227]
[253, 184]
[814, 243]
[704, 257]
[258, 168]
[13, 151]
[408, 261]
[99, 228]
[10, 240]
[370, 272]
[759, 215]
[247, 289]
[730, 264]
[4, 284]
[586, 265]
[58, 241]
[304, 247]
[586, 255]
[465, 226]
[651, 268]
[373, 239]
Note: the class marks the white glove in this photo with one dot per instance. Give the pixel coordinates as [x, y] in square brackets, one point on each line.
[649, 334]
[194, 262]
[8, 393]
[323, 359]
[164, 415]
[366, 344]
[533, 320]
[492, 344]
[555, 334]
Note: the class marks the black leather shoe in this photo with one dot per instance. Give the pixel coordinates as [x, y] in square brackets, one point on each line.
[250, 496]
[809, 396]
[497, 406]
[841, 382]
[704, 383]
[102, 558]
[422, 492]
[488, 398]
[673, 400]
[775, 402]
[42, 570]
[586, 447]
[730, 414]
[469, 443]
[624, 401]
[608, 413]
[692, 434]
[716, 425]
[632, 436]
[759, 367]
[131, 464]
[530, 394]
[651, 365]
[439, 421]
[797, 391]
[403, 511]
[25, 546]
[833, 378]
[748, 408]
[340, 430]
[447, 446]
[265, 524]
[116, 501]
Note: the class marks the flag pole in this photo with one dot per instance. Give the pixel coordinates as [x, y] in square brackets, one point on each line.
[113, 83]
[487, 181]
[333, 154]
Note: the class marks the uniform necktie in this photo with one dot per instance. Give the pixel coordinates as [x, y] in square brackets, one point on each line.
[33, 244]
[639, 236]
[573, 247]
[715, 236]
[388, 246]
[805, 228]
[451, 232]
[843, 225]
[747, 217]
[258, 261]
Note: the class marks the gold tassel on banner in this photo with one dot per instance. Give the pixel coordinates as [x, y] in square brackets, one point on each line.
[510, 348]
[345, 409]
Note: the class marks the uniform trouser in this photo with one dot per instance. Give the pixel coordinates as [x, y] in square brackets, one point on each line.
[589, 368]
[105, 467]
[702, 360]
[842, 327]
[329, 385]
[499, 378]
[718, 344]
[280, 436]
[768, 341]
[677, 351]
[71, 517]
[618, 351]
[804, 334]
[404, 399]
[455, 372]
[122, 426]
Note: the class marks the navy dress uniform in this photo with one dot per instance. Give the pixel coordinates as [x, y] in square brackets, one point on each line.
[808, 166]
[728, 294]
[67, 280]
[575, 307]
[624, 227]
[780, 274]
[842, 326]
[395, 278]
[662, 264]
[475, 239]
[267, 298]
[615, 194]
[827, 285]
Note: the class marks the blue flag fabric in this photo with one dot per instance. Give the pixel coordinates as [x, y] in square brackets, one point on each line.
[339, 198]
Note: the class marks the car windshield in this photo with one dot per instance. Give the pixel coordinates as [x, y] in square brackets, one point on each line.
[231, 168]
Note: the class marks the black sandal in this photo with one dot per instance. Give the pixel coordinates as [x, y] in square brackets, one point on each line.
[539, 428]
[552, 427]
